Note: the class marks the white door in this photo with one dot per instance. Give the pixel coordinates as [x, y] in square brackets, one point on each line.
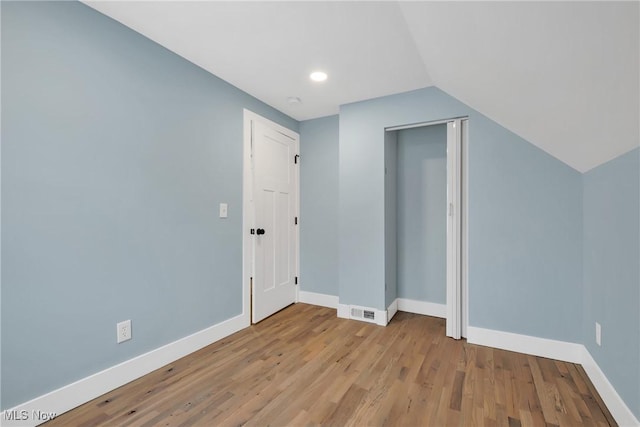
[454, 229]
[275, 189]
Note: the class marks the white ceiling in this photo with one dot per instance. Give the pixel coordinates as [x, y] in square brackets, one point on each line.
[563, 75]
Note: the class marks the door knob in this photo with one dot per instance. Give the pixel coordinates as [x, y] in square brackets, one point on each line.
[260, 231]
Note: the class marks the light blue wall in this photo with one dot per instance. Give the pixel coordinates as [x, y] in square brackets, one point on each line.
[525, 218]
[319, 205]
[422, 213]
[612, 273]
[115, 155]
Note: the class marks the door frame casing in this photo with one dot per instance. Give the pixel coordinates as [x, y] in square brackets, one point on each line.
[248, 208]
[465, 225]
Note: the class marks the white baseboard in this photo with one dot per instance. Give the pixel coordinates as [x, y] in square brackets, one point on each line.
[86, 389]
[559, 350]
[392, 310]
[323, 300]
[382, 317]
[543, 347]
[343, 311]
[619, 410]
[422, 307]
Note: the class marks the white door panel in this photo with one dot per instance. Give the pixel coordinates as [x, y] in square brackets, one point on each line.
[274, 176]
[454, 306]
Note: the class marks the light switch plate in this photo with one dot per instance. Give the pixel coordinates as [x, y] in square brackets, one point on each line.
[223, 210]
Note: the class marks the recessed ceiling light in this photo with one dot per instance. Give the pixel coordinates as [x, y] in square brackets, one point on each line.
[318, 76]
[294, 100]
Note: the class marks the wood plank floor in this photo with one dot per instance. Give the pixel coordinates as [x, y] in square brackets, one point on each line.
[304, 366]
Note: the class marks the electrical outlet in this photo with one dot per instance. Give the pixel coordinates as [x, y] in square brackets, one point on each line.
[598, 334]
[124, 331]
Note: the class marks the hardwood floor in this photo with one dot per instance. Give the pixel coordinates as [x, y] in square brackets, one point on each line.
[304, 366]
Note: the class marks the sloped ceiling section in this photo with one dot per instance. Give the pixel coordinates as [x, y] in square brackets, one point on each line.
[268, 49]
[563, 75]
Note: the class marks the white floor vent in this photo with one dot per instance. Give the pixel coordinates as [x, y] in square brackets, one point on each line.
[364, 314]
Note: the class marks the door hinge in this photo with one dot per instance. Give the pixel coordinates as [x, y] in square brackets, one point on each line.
[296, 280]
[296, 221]
[450, 209]
[295, 158]
[253, 231]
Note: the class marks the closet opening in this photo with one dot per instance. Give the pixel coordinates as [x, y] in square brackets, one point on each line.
[425, 219]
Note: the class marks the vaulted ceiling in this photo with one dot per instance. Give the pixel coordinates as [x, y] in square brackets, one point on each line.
[563, 75]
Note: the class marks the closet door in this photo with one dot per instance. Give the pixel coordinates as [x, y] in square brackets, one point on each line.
[454, 229]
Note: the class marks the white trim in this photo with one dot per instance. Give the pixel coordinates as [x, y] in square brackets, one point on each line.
[343, 311]
[543, 347]
[619, 410]
[323, 300]
[422, 124]
[297, 215]
[381, 317]
[464, 253]
[87, 389]
[250, 115]
[392, 310]
[247, 215]
[422, 307]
